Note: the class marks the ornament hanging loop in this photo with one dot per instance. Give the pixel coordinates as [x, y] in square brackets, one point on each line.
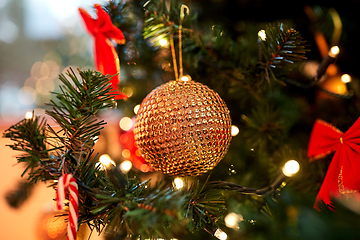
[173, 54]
[184, 10]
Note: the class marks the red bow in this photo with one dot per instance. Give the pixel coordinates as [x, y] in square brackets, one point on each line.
[106, 58]
[342, 177]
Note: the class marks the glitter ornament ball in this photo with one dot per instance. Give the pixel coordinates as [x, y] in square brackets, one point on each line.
[183, 128]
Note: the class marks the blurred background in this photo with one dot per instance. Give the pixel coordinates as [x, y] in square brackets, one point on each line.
[39, 39]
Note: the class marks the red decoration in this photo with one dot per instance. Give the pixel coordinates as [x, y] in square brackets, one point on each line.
[342, 177]
[127, 140]
[65, 181]
[106, 58]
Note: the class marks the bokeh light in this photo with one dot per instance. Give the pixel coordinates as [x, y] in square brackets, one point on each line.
[334, 51]
[106, 160]
[232, 220]
[126, 123]
[290, 168]
[262, 35]
[126, 153]
[345, 78]
[27, 95]
[234, 130]
[163, 42]
[125, 166]
[178, 183]
[28, 115]
[136, 108]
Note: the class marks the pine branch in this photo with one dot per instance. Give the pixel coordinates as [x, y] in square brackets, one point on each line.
[282, 48]
[163, 18]
[29, 137]
[78, 103]
[41, 144]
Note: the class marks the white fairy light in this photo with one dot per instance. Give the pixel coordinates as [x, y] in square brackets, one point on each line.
[178, 183]
[163, 42]
[334, 51]
[220, 234]
[262, 35]
[234, 130]
[290, 168]
[185, 78]
[232, 220]
[345, 78]
[105, 160]
[126, 166]
[28, 115]
[136, 108]
[126, 123]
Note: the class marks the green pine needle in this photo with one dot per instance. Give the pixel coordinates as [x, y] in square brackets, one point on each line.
[29, 137]
[282, 48]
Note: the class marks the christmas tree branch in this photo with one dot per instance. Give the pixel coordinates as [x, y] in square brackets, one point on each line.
[77, 104]
[30, 138]
[163, 21]
[282, 47]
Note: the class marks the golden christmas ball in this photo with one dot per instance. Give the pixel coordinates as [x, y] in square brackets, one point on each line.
[183, 128]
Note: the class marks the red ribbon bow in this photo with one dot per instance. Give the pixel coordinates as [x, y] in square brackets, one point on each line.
[342, 177]
[106, 58]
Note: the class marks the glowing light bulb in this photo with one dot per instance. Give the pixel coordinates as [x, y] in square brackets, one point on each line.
[232, 220]
[220, 234]
[136, 108]
[345, 78]
[234, 130]
[290, 168]
[262, 35]
[185, 78]
[28, 115]
[334, 51]
[178, 183]
[105, 160]
[125, 166]
[126, 123]
[163, 42]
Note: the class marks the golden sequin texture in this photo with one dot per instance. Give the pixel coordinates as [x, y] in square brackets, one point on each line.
[183, 128]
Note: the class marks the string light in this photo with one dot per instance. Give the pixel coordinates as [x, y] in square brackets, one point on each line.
[126, 123]
[334, 51]
[329, 59]
[345, 78]
[163, 42]
[290, 168]
[126, 166]
[185, 78]
[28, 115]
[234, 130]
[220, 234]
[178, 183]
[105, 160]
[262, 35]
[136, 108]
[232, 220]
